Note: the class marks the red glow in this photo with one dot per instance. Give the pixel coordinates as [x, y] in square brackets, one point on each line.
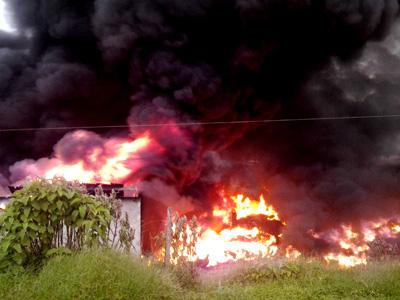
[108, 161]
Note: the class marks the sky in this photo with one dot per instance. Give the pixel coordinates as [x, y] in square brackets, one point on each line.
[4, 18]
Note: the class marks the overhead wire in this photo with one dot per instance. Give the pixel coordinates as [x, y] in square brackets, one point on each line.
[211, 123]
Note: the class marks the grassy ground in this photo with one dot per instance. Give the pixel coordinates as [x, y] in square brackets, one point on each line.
[107, 275]
[91, 275]
[305, 280]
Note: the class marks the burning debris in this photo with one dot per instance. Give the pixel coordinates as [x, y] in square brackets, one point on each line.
[244, 229]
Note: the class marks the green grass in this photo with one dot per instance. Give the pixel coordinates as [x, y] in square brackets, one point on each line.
[307, 280]
[91, 275]
[108, 275]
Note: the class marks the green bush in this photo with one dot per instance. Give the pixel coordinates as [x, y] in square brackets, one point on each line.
[46, 218]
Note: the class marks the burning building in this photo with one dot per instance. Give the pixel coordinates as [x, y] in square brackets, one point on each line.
[293, 100]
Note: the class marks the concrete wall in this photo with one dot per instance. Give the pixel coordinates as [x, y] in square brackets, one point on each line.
[133, 209]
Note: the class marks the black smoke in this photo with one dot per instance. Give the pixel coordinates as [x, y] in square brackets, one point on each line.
[324, 173]
[102, 62]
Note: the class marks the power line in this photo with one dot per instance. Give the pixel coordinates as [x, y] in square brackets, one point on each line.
[189, 124]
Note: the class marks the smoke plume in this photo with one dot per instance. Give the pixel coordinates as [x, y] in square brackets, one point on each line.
[100, 62]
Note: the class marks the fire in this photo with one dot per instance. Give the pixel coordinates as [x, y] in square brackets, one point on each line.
[239, 228]
[347, 261]
[238, 240]
[243, 229]
[234, 244]
[113, 169]
[245, 207]
[98, 160]
[353, 246]
[292, 253]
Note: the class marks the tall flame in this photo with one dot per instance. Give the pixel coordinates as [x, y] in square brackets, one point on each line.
[238, 242]
[99, 160]
[113, 169]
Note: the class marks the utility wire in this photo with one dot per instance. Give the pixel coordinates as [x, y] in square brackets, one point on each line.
[216, 123]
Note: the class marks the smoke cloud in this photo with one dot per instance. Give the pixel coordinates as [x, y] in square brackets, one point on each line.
[100, 62]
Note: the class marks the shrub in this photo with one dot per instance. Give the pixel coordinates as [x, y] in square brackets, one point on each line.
[119, 233]
[185, 234]
[262, 273]
[50, 217]
[184, 237]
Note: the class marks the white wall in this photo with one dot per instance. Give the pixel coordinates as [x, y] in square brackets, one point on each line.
[133, 209]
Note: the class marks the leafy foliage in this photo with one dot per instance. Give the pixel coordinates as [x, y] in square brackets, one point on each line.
[184, 239]
[185, 234]
[46, 218]
[119, 233]
[262, 273]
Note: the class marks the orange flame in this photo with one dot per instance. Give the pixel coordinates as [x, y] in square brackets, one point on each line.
[354, 246]
[352, 249]
[236, 242]
[292, 253]
[111, 160]
[113, 169]
[236, 234]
